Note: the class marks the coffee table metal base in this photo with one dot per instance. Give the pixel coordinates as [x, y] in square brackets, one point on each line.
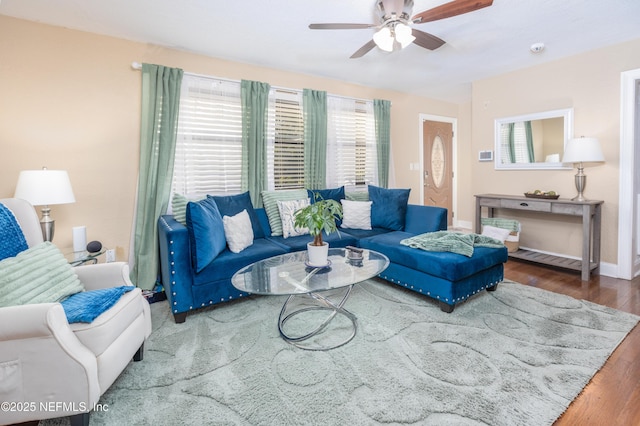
[324, 304]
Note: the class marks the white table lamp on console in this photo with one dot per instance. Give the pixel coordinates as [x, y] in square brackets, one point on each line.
[582, 150]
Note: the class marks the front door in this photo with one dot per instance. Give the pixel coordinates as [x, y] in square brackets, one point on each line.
[437, 140]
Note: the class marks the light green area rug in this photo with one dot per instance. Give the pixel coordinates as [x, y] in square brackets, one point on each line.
[516, 356]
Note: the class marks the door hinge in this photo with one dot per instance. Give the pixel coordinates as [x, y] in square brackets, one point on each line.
[453, 214]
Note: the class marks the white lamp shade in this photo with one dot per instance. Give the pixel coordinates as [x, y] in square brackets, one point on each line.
[404, 35]
[384, 39]
[45, 187]
[583, 150]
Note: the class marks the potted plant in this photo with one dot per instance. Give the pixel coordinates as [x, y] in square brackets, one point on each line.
[318, 217]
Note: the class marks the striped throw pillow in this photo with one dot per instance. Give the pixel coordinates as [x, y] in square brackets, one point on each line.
[40, 274]
[270, 202]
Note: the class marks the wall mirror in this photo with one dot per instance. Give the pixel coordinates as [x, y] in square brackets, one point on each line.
[533, 141]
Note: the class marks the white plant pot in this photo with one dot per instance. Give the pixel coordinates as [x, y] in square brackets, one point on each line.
[318, 255]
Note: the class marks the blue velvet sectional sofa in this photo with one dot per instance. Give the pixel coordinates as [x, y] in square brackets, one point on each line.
[447, 277]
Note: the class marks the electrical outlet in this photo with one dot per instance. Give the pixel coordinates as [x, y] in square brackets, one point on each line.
[111, 255]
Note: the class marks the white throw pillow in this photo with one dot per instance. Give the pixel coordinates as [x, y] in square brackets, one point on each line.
[356, 214]
[499, 234]
[287, 210]
[238, 231]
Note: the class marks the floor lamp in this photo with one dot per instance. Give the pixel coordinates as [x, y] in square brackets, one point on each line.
[579, 151]
[45, 188]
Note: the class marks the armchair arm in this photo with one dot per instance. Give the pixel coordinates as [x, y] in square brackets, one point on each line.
[103, 275]
[41, 360]
[27, 321]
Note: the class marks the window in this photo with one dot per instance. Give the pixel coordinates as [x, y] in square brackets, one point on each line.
[209, 145]
[285, 154]
[351, 144]
[208, 158]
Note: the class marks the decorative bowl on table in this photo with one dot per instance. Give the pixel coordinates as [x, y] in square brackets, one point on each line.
[549, 195]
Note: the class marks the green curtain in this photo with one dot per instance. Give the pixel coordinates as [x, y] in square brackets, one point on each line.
[382, 114]
[512, 143]
[255, 100]
[529, 136]
[158, 127]
[315, 138]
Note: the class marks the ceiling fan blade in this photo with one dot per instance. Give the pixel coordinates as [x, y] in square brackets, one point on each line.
[339, 26]
[426, 40]
[364, 49]
[453, 8]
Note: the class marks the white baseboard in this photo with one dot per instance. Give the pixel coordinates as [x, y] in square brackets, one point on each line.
[464, 224]
[606, 269]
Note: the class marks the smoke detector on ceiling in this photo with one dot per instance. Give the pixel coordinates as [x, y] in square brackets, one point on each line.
[537, 47]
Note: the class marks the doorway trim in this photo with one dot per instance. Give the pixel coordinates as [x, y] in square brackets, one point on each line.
[454, 157]
[628, 265]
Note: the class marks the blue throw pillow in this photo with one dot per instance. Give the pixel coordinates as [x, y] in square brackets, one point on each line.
[206, 232]
[389, 207]
[231, 205]
[327, 194]
[13, 241]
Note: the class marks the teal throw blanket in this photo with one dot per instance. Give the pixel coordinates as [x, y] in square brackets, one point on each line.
[454, 242]
[499, 222]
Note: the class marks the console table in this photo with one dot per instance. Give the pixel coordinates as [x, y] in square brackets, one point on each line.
[590, 211]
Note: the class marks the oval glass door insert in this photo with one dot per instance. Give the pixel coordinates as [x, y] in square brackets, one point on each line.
[437, 161]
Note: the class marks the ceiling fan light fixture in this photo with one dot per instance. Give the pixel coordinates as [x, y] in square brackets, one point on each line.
[384, 39]
[404, 35]
[395, 24]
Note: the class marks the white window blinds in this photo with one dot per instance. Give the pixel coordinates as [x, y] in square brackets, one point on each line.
[285, 152]
[209, 144]
[351, 143]
[208, 157]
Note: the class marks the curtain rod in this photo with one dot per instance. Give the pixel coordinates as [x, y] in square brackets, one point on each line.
[138, 66]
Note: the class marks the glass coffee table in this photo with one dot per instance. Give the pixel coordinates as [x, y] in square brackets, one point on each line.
[289, 274]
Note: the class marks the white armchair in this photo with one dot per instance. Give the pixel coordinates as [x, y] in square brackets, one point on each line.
[50, 368]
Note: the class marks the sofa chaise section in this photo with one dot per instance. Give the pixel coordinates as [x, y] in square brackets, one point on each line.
[450, 278]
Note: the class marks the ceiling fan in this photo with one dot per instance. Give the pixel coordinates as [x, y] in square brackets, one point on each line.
[395, 24]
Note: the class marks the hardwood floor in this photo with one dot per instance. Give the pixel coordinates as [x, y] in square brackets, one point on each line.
[613, 395]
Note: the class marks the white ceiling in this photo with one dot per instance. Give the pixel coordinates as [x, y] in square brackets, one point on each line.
[275, 34]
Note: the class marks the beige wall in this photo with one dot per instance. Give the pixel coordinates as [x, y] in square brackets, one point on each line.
[70, 100]
[590, 84]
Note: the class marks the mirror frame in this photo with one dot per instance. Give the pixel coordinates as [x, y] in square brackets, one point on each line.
[565, 113]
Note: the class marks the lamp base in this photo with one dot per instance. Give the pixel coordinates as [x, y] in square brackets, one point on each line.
[47, 224]
[581, 184]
